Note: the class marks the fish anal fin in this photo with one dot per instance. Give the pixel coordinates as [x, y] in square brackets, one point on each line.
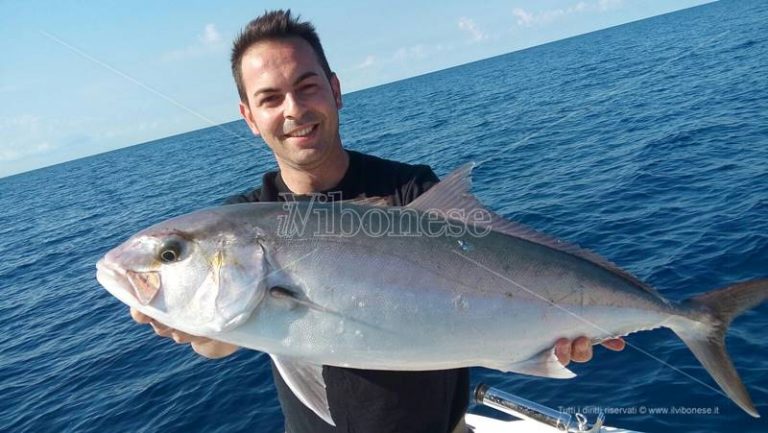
[543, 364]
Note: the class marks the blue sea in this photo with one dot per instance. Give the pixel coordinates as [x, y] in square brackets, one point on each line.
[647, 143]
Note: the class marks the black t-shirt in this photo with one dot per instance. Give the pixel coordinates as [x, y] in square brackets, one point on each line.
[374, 401]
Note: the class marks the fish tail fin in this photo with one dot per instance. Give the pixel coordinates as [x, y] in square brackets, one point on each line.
[715, 310]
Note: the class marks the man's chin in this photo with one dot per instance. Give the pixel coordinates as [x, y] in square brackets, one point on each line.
[309, 157]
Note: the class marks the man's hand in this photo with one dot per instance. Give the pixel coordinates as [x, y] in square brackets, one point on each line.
[203, 346]
[580, 349]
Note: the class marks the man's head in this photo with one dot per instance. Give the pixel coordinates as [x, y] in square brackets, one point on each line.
[274, 25]
[288, 94]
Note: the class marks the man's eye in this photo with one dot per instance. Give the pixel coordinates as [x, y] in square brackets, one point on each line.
[269, 100]
[309, 88]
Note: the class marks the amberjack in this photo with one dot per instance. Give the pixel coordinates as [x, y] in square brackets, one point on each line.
[441, 283]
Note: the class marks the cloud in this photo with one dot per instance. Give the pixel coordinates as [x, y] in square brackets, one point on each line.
[606, 5]
[408, 53]
[525, 18]
[9, 154]
[210, 35]
[26, 121]
[28, 136]
[24, 135]
[209, 41]
[408, 56]
[369, 61]
[468, 25]
[15, 153]
[415, 54]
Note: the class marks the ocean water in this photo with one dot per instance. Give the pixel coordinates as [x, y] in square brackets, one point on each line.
[647, 143]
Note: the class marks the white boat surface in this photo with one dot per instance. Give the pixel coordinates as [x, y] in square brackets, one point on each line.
[530, 417]
[483, 424]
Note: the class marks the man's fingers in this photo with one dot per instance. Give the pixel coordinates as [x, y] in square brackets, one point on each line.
[160, 329]
[202, 345]
[214, 349]
[615, 344]
[184, 338]
[140, 317]
[581, 350]
[563, 351]
[175, 334]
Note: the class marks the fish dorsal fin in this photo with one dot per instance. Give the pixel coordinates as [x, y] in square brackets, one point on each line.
[383, 201]
[307, 384]
[453, 193]
[449, 193]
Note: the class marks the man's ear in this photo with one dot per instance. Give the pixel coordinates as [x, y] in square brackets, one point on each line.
[336, 88]
[245, 111]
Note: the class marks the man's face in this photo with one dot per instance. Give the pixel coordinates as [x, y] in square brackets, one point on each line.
[292, 105]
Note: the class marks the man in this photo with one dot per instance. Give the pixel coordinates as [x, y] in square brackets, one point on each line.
[290, 97]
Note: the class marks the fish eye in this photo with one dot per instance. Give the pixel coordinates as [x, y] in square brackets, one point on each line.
[170, 251]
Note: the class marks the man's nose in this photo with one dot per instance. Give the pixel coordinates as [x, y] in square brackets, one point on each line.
[294, 108]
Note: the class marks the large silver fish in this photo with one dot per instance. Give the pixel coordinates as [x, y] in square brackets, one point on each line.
[442, 283]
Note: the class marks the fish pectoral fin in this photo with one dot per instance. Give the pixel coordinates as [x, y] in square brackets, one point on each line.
[543, 364]
[307, 383]
[293, 299]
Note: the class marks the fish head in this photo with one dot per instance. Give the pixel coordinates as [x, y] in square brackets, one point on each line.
[188, 273]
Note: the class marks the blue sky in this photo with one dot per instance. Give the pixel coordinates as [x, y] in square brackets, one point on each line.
[79, 78]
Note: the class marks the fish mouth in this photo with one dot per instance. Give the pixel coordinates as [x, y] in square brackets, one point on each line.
[130, 287]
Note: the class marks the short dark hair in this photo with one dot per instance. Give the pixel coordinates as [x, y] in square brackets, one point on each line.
[272, 25]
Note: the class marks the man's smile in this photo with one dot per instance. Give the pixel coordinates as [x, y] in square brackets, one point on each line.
[303, 131]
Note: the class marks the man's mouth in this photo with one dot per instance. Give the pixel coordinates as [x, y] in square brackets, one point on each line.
[302, 132]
